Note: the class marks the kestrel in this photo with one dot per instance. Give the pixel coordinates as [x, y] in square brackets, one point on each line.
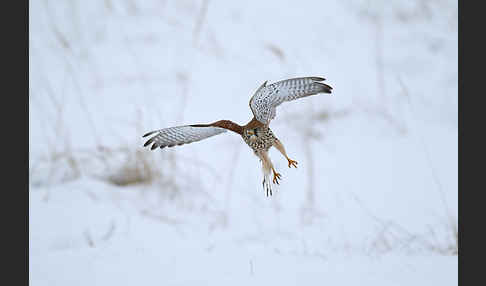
[255, 133]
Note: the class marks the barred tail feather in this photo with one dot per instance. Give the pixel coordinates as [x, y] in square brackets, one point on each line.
[267, 171]
[267, 186]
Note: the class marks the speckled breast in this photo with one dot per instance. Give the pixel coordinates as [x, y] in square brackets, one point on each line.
[262, 140]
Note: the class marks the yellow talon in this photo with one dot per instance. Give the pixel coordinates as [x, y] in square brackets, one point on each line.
[292, 163]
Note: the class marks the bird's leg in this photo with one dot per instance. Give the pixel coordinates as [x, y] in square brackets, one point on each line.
[281, 148]
[267, 166]
[292, 162]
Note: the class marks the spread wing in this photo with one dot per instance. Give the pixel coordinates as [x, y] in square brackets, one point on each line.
[180, 135]
[265, 100]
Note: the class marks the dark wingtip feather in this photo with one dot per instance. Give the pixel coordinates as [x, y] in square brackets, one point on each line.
[148, 142]
[317, 78]
[150, 133]
[154, 146]
[325, 88]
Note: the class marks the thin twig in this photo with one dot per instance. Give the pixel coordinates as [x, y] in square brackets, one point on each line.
[427, 154]
[200, 20]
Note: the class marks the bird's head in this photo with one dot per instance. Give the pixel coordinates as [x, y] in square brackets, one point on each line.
[251, 134]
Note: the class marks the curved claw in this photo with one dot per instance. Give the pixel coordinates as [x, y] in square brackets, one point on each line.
[292, 163]
[276, 177]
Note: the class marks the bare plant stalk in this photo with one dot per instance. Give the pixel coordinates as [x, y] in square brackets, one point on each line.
[227, 199]
[380, 75]
[183, 81]
[310, 173]
[68, 54]
[200, 21]
[89, 238]
[308, 206]
[429, 160]
[310, 158]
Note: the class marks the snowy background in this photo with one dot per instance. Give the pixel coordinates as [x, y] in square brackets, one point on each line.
[373, 202]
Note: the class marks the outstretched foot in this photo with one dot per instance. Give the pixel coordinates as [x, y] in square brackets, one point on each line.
[292, 163]
[276, 177]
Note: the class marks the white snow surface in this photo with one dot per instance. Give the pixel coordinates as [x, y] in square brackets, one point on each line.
[372, 202]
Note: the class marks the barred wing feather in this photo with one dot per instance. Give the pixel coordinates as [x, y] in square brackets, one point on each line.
[180, 135]
[265, 100]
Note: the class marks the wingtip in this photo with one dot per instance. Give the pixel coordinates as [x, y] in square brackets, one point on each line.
[148, 142]
[329, 89]
[317, 78]
[325, 88]
[149, 133]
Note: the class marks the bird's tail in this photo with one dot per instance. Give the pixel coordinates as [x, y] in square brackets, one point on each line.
[267, 171]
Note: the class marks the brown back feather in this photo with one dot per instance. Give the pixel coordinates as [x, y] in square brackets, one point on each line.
[226, 124]
[254, 123]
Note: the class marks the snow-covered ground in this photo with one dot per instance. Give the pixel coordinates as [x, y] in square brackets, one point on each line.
[373, 202]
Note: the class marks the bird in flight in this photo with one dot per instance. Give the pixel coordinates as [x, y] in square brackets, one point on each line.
[255, 133]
